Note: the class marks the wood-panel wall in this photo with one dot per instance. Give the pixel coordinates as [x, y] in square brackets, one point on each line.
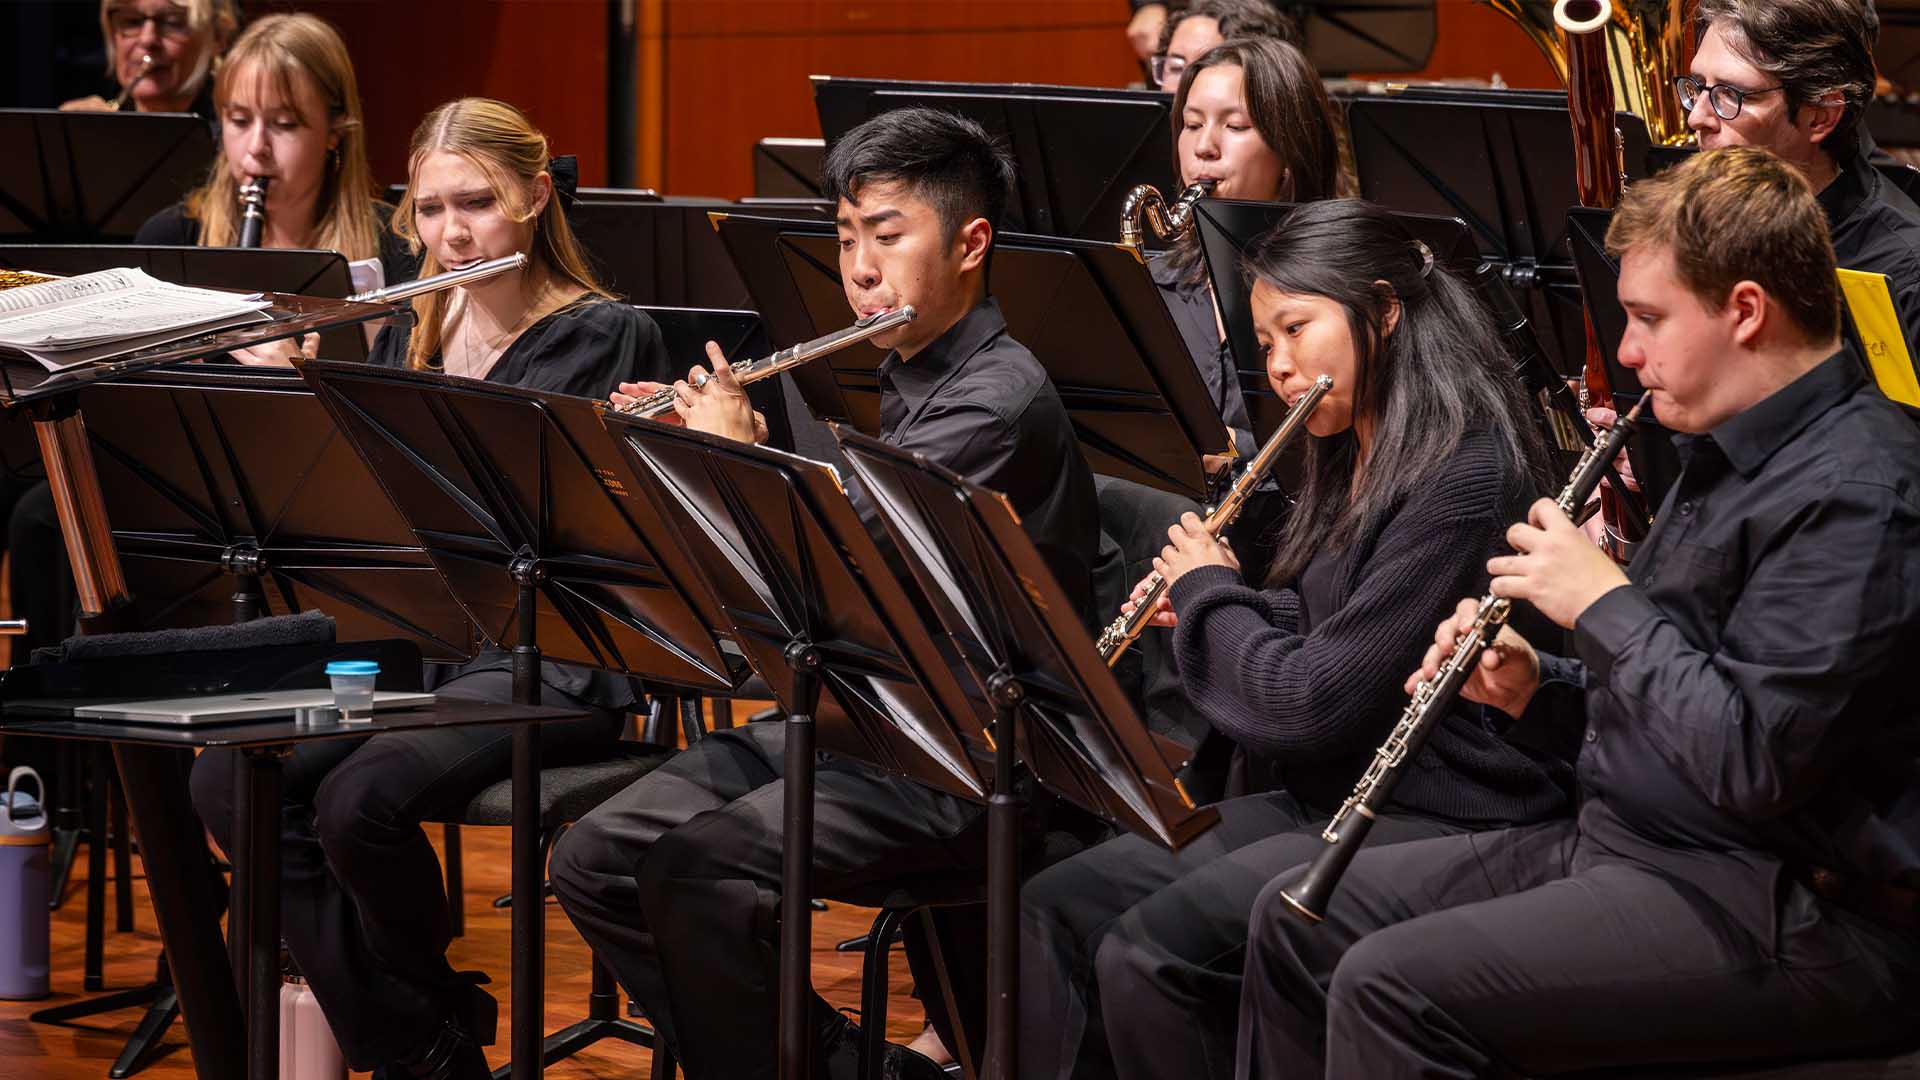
[716, 75]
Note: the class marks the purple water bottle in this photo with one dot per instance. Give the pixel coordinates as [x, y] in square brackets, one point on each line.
[24, 863]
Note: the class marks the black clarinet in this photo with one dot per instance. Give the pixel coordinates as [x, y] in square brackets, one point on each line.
[1431, 699]
[253, 211]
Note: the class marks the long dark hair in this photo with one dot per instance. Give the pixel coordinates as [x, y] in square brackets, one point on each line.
[1439, 375]
[1288, 106]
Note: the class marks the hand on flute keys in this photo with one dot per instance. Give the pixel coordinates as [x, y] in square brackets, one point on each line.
[711, 402]
[280, 353]
[1508, 672]
[1191, 545]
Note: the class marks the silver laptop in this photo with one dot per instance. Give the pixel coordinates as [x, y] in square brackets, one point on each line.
[228, 708]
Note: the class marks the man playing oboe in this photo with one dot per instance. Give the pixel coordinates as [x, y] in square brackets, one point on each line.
[1740, 879]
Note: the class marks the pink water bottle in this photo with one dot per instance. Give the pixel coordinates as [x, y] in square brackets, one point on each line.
[24, 867]
[307, 1049]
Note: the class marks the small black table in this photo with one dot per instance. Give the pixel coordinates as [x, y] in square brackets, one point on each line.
[217, 1028]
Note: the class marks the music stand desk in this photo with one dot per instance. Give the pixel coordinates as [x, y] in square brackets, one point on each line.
[226, 1046]
[1053, 699]
[815, 608]
[526, 509]
[1088, 311]
[95, 177]
[1077, 150]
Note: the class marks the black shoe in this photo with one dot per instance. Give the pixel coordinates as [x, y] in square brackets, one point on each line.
[453, 1055]
[904, 1063]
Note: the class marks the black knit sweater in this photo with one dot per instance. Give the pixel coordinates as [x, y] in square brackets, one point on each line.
[1307, 701]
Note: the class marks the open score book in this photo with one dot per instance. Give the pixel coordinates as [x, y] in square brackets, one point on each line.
[71, 321]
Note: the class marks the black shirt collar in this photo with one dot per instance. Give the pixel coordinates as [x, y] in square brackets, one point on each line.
[917, 379]
[1854, 184]
[1751, 436]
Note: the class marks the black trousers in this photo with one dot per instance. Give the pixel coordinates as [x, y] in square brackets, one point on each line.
[40, 579]
[675, 883]
[363, 905]
[1130, 954]
[1529, 950]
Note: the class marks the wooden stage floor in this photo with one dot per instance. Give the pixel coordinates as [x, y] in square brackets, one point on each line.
[30, 1051]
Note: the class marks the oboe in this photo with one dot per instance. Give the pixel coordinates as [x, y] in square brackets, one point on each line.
[1431, 699]
[406, 290]
[253, 211]
[660, 403]
[1126, 629]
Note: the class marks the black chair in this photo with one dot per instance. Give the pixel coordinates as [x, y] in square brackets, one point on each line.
[567, 793]
[899, 902]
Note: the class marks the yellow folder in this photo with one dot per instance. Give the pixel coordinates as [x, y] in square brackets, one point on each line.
[1870, 305]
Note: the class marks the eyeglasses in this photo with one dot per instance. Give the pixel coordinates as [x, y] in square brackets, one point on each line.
[173, 22]
[1725, 98]
[1167, 68]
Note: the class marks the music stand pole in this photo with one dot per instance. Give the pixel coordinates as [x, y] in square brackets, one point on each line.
[528, 1017]
[1003, 881]
[796, 869]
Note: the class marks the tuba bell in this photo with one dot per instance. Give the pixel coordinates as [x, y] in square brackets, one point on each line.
[1646, 43]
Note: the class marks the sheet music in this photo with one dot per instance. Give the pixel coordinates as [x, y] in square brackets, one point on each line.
[49, 293]
[92, 314]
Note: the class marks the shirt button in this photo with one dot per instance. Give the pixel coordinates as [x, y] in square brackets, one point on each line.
[1592, 735]
[1686, 507]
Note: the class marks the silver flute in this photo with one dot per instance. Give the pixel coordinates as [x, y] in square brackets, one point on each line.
[660, 402]
[406, 290]
[1308, 896]
[1127, 628]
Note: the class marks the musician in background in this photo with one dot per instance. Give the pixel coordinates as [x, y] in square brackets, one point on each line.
[1251, 116]
[366, 912]
[1740, 882]
[676, 881]
[289, 111]
[1419, 457]
[1189, 32]
[1794, 77]
[183, 39]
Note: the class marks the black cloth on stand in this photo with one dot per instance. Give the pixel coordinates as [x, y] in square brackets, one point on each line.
[1740, 880]
[1130, 954]
[173, 228]
[675, 882]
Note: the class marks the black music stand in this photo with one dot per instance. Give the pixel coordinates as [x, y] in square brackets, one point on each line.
[531, 517]
[788, 168]
[1502, 161]
[1656, 464]
[658, 252]
[93, 177]
[1227, 226]
[742, 337]
[814, 608]
[1088, 311]
[1078, 150]
[1054, 700]
[299, 271]
[1342, 36]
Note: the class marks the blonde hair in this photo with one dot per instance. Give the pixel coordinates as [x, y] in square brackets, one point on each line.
[278, 48]
[211, 22]
[511, 153]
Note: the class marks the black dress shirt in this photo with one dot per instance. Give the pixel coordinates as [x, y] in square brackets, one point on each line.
[584, 349]
[977, 402]
[1876, 228]
[1191, 306]
[1748, 706]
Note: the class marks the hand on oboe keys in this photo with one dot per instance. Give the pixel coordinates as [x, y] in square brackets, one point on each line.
[1555, 567]
[1508, 672]
[713, 402]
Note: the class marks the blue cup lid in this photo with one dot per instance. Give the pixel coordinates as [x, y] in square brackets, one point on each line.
[353, 667]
